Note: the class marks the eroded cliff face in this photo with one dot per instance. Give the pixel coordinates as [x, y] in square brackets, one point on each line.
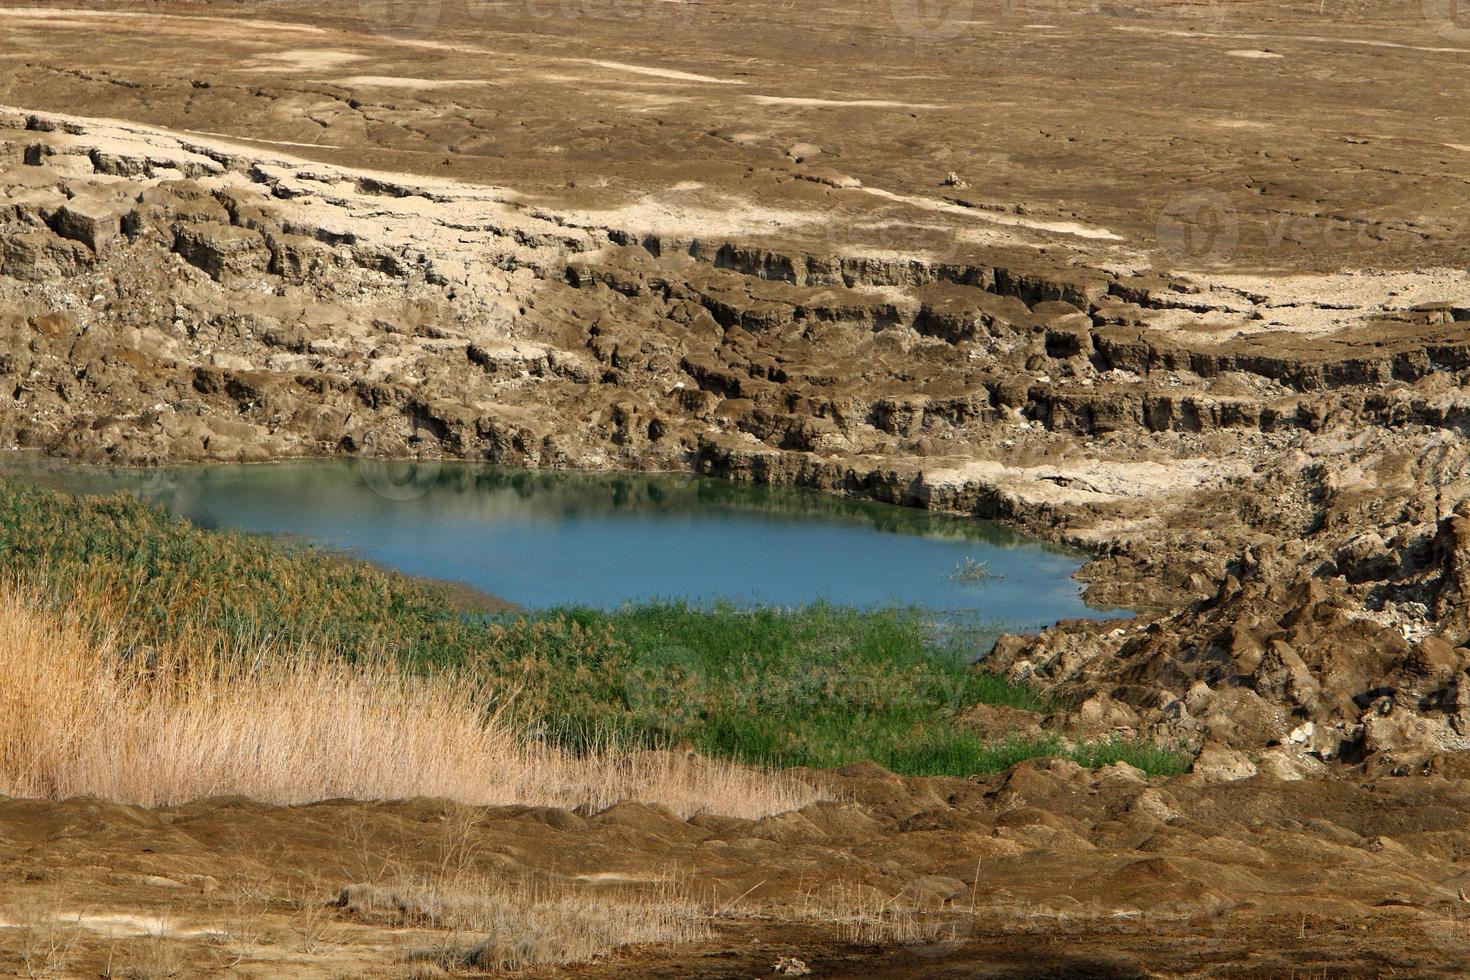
[1275, 466]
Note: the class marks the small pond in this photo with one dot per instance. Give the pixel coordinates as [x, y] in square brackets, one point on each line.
[542, 538]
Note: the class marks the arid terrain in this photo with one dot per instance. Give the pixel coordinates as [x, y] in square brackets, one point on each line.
[1184, 284]
[1047, 871]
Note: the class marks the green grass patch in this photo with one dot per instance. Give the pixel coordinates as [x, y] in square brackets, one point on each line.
[820, 685]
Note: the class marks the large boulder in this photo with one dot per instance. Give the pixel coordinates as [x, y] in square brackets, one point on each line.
[93, 223]
[1219, 764]
[41, 255]
[223, 250]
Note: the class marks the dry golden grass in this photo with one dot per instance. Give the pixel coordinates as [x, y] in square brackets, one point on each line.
[44, 939]
[864, 916]
[458, 913]
[155, 957]
[492, 924]
[78, 718]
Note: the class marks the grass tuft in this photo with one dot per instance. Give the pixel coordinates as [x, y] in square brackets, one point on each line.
[79, 718]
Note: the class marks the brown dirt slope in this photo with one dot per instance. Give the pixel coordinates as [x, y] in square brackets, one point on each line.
[1047, 870]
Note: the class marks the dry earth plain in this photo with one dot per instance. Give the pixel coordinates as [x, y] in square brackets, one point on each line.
[1184, 284]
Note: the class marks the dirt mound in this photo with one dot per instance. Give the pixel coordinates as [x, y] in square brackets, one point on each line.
[1342, 643]
[1232, 883]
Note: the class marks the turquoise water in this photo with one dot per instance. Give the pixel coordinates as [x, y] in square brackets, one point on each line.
[541, 539]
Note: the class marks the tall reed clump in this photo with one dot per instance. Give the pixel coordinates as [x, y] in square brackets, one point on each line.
[79, 716]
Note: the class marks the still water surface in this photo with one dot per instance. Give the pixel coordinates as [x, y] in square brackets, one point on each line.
[541, 539]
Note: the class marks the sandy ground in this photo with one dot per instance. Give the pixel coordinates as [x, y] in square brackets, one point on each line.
[1046, 871]
[1075, 126]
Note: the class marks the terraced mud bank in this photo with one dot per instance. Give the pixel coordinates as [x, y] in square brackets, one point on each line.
[1184, 285]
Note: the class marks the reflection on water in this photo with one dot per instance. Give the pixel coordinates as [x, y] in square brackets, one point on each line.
[544, 538]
